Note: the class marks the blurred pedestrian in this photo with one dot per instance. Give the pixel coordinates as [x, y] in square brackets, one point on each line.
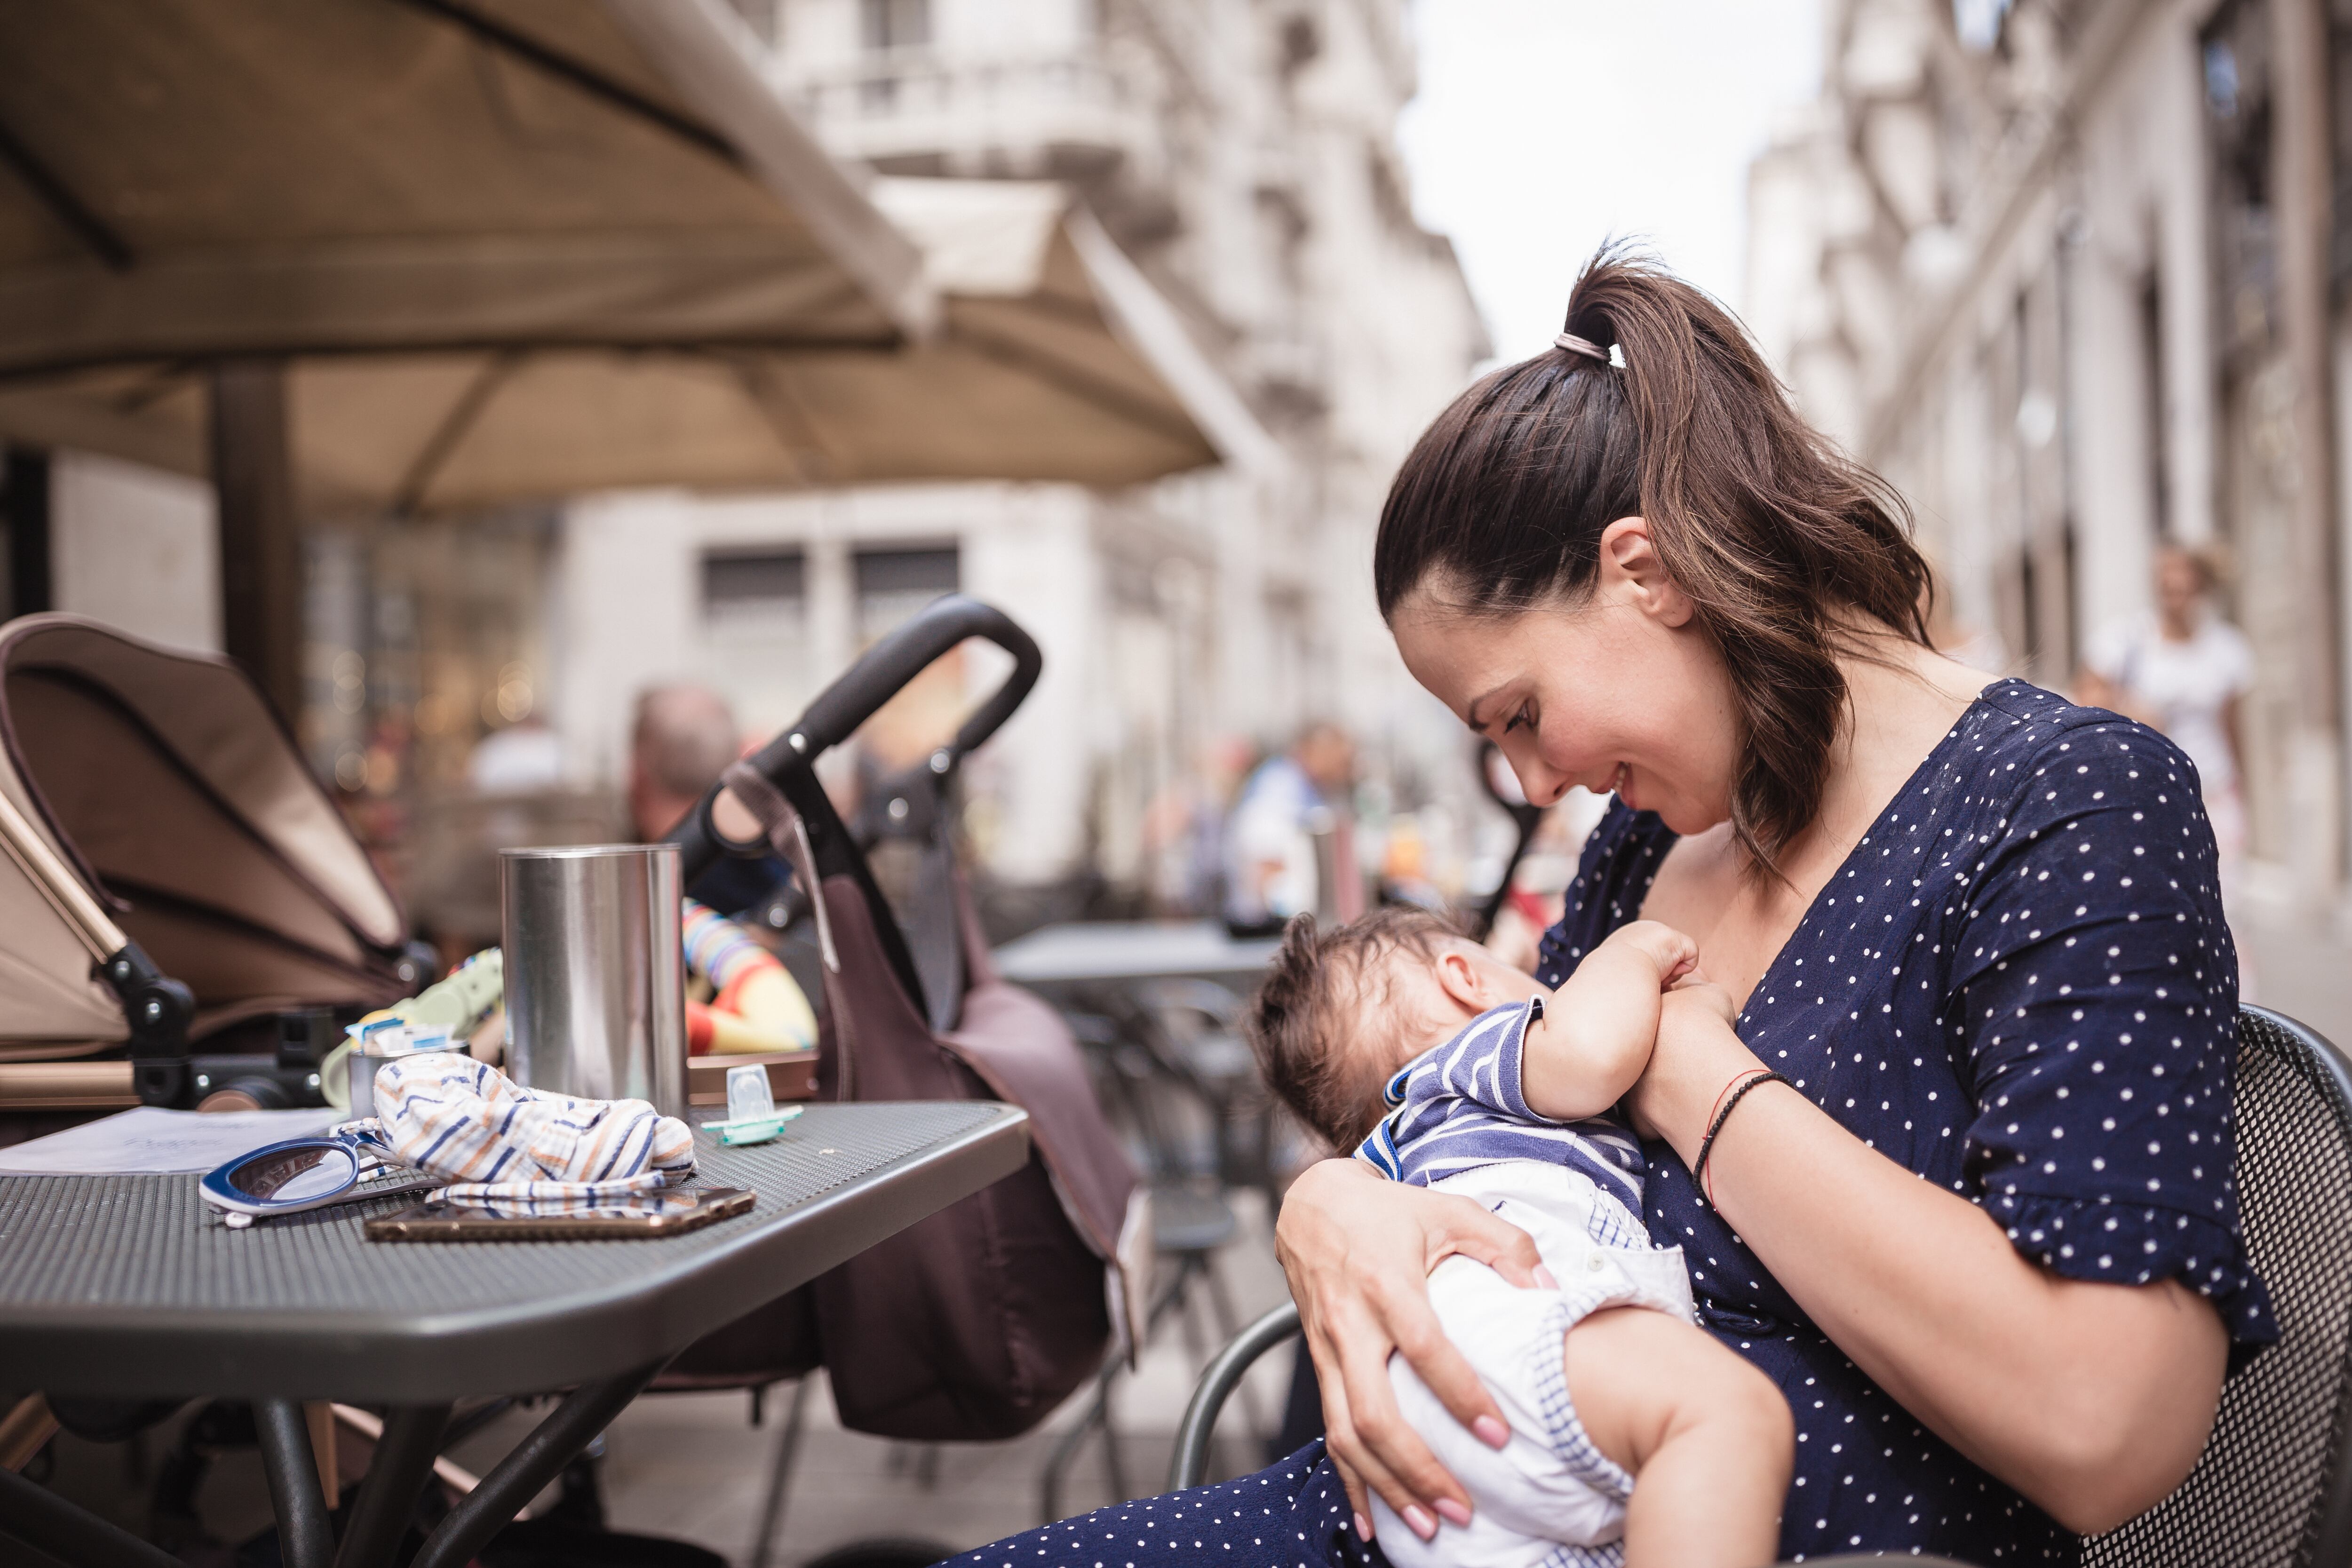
[682, 738]
[2180, 668]
[1271, 871]
[1184, 828]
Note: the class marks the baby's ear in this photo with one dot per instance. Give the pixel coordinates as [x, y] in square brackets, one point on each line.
[1461, 978]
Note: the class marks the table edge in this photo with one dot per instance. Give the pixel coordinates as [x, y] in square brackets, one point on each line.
[415, 1358]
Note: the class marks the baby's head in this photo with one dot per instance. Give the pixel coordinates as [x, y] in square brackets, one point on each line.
[1342, 1009]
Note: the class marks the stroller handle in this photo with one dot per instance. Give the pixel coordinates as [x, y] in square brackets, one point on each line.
[861, 691]
[1526, 815]
[897, 659]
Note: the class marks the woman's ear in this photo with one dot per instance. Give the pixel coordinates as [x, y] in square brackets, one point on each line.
[1629, 565]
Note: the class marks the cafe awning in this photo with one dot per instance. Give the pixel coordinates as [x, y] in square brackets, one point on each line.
[186, 180]
[369, 257]
[1053, 359]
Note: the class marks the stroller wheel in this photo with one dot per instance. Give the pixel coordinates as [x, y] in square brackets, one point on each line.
[248, 1094]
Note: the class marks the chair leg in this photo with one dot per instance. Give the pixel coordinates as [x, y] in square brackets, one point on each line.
[1221, 1305]
[407, 1442]
[779, 1477]
[1058, 1463]
[1112, 1460]
[1172, 1293]
[305, 1538]
[24, 1431]
[1188, 1316]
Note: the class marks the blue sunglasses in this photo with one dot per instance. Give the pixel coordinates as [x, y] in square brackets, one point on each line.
[345, 1165]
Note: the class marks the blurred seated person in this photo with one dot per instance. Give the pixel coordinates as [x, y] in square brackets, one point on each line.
[1270, 861]
[683, 738]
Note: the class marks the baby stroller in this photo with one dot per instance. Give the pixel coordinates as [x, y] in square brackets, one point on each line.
[976, 1323]
[182, 910]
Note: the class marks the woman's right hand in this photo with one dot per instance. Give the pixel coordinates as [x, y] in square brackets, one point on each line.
[1358, 1250]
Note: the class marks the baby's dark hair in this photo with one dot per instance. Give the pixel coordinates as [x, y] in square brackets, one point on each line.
[1312, 1007]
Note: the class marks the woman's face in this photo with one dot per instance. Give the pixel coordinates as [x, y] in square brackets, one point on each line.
[1621, 691]
[2179, 585]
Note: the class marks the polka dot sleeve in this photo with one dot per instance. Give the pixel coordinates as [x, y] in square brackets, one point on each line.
[2096, 991]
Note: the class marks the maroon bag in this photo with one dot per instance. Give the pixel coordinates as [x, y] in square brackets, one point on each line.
[975, 1323]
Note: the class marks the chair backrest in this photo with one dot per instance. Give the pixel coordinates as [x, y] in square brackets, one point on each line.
[2273, 1486]
[1189, 1466]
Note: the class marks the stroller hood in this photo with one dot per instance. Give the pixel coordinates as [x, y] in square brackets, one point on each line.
[165, 792]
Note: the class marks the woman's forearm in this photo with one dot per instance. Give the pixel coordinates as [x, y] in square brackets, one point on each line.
[2092, 1400]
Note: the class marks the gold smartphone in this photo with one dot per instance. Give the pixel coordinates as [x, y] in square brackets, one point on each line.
[649, 1214]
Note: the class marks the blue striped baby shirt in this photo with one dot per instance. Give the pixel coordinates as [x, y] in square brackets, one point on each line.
[1459, 1106]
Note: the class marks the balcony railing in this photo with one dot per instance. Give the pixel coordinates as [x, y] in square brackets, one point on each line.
[912, 103]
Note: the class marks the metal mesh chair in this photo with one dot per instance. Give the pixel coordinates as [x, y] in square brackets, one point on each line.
[2274, 1485]
[2273, 1489]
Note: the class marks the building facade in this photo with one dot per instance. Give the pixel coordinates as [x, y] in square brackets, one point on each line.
[2070, 273]
[1241, 155]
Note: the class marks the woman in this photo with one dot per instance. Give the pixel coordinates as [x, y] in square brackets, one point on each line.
[1984, 1236]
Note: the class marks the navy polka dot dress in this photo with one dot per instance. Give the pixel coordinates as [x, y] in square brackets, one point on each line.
[1292, 1513]
[2019, 986]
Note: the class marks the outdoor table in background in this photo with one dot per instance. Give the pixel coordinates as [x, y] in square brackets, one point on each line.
[124, 1287]
[1121, 985]
[1110, 953]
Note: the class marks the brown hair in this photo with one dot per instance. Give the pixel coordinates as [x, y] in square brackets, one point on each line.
[2204, 562]
[1773, 533]
[1308, 1021]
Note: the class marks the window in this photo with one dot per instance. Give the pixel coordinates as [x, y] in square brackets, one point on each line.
[893, 584]
[757, 583]
[886, 24]
[756, 633]
[2237, 131]
[1978, 21]
[2158, 424]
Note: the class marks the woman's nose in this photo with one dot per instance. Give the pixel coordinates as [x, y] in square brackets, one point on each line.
[1542, 784]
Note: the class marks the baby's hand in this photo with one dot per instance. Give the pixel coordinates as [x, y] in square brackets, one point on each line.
[1697, 991]
[1673, 954]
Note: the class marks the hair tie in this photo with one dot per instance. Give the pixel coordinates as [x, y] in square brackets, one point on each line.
[1612, 355]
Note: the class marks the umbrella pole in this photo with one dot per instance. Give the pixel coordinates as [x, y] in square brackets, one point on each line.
[25, 503]
[260, 548]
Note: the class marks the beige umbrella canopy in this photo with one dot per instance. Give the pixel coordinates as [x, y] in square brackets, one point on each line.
[356, 256]
[1054, 361]
[189, 180]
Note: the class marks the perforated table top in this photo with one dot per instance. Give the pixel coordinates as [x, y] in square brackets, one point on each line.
[126, 1285]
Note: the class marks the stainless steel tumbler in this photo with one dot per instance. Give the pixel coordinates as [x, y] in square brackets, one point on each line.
[595, 981]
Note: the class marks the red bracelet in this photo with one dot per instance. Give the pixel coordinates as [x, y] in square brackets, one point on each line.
[1712, 1111]
[1737, 1091]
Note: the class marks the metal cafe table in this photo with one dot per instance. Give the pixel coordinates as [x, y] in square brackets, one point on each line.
[1114, 952]
[125, 1287]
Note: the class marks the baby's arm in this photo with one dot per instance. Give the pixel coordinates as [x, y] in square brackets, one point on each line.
[1707, 1437]
[1592, 1045]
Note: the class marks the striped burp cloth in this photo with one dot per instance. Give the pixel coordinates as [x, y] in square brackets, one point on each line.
[496, 1140]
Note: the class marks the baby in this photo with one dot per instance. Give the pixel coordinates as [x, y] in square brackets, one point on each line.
[1635, 1437]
